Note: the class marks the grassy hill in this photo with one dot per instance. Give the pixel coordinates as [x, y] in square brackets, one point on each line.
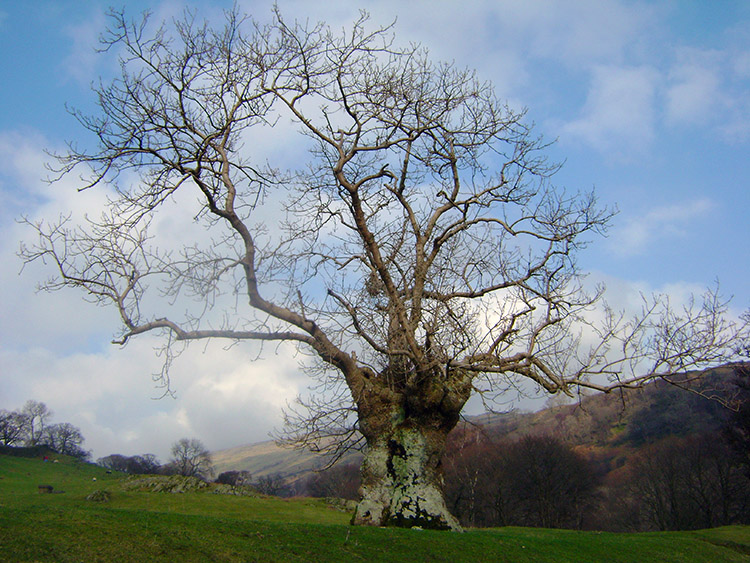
[138, 525]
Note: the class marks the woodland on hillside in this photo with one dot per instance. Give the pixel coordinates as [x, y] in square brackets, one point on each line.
[657, 459]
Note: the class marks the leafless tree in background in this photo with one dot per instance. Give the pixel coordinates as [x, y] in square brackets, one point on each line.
[12, 427]
[137, 464]
[273, 484]
[36, 415]
[419, 254]
[235, 478]
[65, 439]
[191, 459]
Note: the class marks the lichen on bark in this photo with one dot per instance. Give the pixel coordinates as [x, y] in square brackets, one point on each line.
[402, 482]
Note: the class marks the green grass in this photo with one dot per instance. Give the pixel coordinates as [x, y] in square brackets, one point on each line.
[201, 526]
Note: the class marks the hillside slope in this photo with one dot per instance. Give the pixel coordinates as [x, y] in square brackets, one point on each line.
[630, 419]
[265, 458]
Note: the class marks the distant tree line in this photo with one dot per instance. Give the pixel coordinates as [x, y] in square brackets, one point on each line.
[145, 464]
[30, 426]
[679, 484]
[535, 481]
[189, 458]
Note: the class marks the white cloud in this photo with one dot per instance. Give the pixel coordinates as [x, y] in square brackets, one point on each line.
[694, 95]
[500, 39]
[56, 347]
[41, 318]
[710, 89]
[223, 396]
[627, 294]
[639, 234]
[619, 114]
[23, 163]
[82, 61]
[580, 34]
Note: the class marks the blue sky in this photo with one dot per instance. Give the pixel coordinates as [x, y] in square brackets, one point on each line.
[649, 103]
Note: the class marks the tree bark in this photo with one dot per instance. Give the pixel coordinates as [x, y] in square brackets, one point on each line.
[402, 474]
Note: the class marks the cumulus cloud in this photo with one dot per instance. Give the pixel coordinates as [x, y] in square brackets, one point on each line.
[56, 347]
[223, 397]
[640, 233]
[44, 317]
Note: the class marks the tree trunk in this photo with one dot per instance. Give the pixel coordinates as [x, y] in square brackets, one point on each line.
[402, 481]
[402, 477]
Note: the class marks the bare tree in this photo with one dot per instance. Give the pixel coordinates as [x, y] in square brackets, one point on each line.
[272, 484]
[12, 427]
[737, 429]
[686, 483]
[534, 481]
[419, 254]
[191, 458]
[65, 439]
[115, 462]
[137, 464]
[551, 484]
[146, 463]
[36, 416]
[474, 486]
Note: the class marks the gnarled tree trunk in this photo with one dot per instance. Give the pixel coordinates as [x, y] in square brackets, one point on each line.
[402, 477]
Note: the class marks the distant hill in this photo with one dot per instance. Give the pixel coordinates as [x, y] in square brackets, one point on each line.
[264, 459]
[632, 417]
[597, 422]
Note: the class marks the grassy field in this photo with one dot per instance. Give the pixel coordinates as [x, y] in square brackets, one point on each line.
[202, 526]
